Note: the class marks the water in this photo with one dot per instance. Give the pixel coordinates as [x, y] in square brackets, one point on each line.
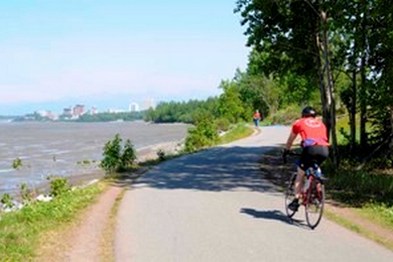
[68, 149]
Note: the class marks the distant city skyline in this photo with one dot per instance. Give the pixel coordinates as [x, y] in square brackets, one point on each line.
[99, 107]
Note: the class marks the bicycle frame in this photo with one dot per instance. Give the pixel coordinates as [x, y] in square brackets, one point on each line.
[313, 197]
[312, 181]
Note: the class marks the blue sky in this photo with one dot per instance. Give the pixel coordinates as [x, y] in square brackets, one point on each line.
[55, 54]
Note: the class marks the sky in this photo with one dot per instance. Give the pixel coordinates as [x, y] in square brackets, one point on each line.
[108, 53]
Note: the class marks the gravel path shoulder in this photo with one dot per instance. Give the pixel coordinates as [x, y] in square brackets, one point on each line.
[82, 241]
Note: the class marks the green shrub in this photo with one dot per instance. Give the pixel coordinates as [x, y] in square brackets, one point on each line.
[222, 124]
[6, 200]
[17, 163]
[128, 155]
[112, 154]
[117, 157]
[362, 187]
[59, 186]
[204, 134]
[25, 193]
[285, 116]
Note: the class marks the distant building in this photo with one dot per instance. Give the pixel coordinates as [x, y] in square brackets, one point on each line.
[133, 107]
[149, 103]
[93, 110]
[67, 112]
[47, 114]
[78, 110]
[114, 110]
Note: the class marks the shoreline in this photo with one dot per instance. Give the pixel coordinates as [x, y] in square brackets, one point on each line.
[143, 154]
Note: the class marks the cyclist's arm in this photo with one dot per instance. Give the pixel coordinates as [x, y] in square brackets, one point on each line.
[291, 138]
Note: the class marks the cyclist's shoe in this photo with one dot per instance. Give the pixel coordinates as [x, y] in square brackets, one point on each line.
[294, 205]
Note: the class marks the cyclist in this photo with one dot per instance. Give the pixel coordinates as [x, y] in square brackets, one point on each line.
[256, 118]
[313, 133]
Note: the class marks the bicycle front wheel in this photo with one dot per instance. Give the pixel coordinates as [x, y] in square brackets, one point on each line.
[290, 195]
[315, 204]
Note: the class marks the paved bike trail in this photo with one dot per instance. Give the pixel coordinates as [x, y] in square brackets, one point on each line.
[216, 206]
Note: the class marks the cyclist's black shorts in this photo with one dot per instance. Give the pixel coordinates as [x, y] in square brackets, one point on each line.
[311, 155]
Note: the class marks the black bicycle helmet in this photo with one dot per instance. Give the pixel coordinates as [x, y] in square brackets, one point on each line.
[308, 111]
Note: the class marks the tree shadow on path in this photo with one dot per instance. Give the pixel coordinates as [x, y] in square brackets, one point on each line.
[215, 169]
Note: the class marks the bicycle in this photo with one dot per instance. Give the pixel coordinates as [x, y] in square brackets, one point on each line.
[312, 194]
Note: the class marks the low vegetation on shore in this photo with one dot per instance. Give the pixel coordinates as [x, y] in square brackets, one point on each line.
[21, 231]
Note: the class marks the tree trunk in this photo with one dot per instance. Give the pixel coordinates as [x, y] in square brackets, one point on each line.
[391, 130]
[363, 106]
[363, 85]
[352, 112]
[329, 90]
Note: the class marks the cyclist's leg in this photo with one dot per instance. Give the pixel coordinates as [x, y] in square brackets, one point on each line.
[294, 205]
[299, 182]
[303, 163]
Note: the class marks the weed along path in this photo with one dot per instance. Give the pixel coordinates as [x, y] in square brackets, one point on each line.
[216, 206]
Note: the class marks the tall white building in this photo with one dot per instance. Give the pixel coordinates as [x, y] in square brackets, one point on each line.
[149, 103]
[133, 107]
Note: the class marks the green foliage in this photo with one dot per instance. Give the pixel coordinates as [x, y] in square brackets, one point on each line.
[117, 157]
[171, 112]
[204, 134]
[297, 89]
[128, 155]
[17, 163]
[6, 200]
[283, 32]
[59, 186]
[237, 132]
[25, 193]
[112, 154]
[358, 187]
[20, 231]
[286, 38]
[222, 124]
[108, 117]
[382, 212]
[285, 116]
[230, 105]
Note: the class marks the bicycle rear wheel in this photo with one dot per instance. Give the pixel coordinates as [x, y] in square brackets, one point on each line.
[315, 204]
[290, 195]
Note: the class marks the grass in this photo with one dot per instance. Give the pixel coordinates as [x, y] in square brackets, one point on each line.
[238, 132]
[367, 192]
[107, 241]
[384, 213]
[20, 231]
[361, 230]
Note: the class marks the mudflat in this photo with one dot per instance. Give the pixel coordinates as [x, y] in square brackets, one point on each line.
[68, 148]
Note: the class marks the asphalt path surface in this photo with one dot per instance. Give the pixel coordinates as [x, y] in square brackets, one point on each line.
[216, 206]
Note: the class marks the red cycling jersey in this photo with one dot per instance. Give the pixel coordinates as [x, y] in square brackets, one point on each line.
[312, 131]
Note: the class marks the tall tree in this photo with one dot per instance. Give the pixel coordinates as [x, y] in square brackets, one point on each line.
[294, 37]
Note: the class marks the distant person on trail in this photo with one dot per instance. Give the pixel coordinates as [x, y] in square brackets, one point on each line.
[256, 118]
[315, 146]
